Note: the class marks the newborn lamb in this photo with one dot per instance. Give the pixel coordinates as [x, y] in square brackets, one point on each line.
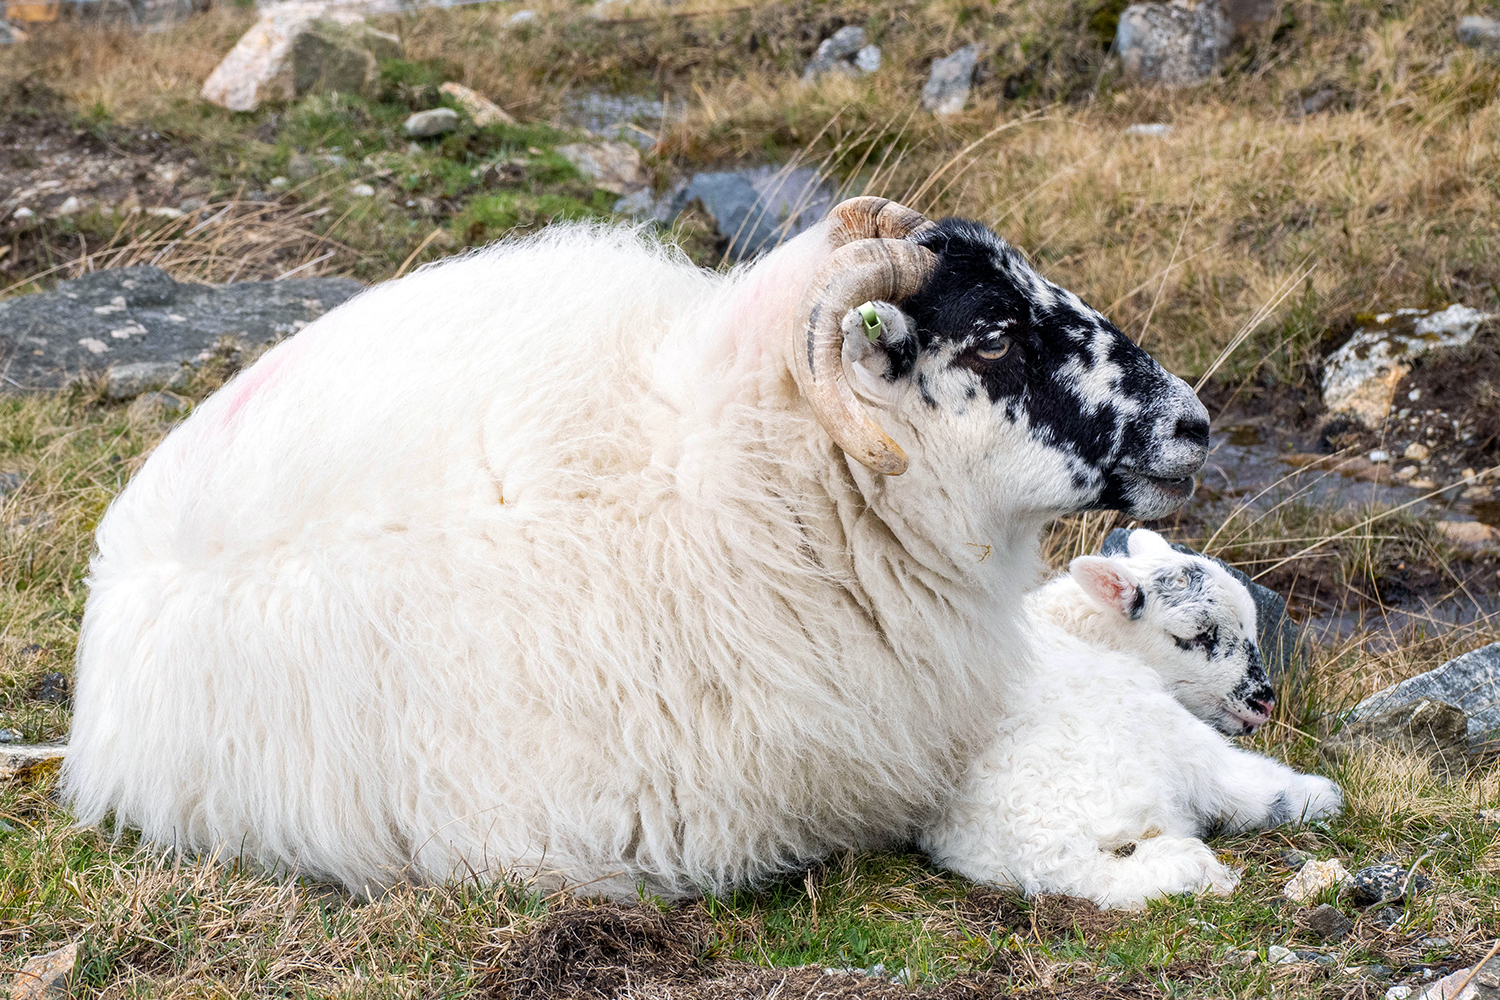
[1110, 764]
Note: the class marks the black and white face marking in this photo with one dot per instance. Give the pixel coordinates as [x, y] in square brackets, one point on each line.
[1099, 421]
[1196, 626]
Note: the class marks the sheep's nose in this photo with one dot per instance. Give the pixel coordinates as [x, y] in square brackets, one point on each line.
[1192, 428]
[1262, 706]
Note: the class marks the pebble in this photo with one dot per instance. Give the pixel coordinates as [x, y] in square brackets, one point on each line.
[1382, 883]
[1150, 128]
[1435, 943]
[1406, 472]
[11, 736]
[1380, 455]
[1374, 970]
[280, 182]
[521, 17]
[1313, 878]
[361, 190]
[54, 687]
[1398, 993]
[426, 124]
[1417, 452]
[1279, 955]
[22, 214]
[1328, 923]
[1240, 959]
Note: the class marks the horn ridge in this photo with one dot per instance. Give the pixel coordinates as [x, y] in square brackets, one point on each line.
[890, 269]
[869, 217]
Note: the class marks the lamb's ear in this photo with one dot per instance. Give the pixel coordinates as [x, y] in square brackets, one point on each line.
[1109, 584]
[1144, 541]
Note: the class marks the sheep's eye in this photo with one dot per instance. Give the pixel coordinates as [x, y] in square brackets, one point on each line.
[995, 351]
[1205, 640]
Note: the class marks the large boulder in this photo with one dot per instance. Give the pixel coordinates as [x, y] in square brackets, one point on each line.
[1471, 682]
[1433, 730]
[756, 208]
[297, 49]
[132, 316]
[1173, 43]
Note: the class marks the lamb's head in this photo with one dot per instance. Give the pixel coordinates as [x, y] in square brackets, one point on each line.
[1191, 620]
[990, 373]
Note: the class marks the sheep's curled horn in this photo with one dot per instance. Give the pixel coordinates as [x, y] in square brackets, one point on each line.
[872, 259]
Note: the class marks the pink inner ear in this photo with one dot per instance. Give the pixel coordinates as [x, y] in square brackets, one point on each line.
[1108, 583]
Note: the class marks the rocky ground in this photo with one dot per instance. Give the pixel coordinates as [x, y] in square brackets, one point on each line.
[1271, 196]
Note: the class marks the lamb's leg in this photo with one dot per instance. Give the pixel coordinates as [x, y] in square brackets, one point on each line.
[1245, 791]
[1158, 866]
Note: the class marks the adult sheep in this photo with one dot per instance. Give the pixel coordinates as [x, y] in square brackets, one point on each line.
[570, 560]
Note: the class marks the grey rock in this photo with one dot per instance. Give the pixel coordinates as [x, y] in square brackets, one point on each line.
[129, 381]
[638, 205]
[1293, 858]
[1470, 681]
[1431, 729]
[156, 405]
[1240, 958]
[296, 49]
[1328, 923]
[1276, 633]
[845, 52]
[521, 17]
[949, 80]
[53, 687]
[426, 124]
[1479, 32]
[628, 118]
[755, 209]
[1371, 970]
[1155, 129]
[10, 482]
[138, 314]
[1315, 957]
[1280, 955]
[19, 760]
[1383, 883]
[1172, 43]
[11, 736]
[7, 37]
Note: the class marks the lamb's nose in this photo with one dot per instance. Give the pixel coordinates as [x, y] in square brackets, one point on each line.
[1262, 706]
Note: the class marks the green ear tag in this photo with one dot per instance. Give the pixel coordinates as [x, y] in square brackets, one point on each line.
[873, 327]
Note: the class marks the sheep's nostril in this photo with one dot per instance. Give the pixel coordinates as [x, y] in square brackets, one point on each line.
[1193, 429]
[1262, 706]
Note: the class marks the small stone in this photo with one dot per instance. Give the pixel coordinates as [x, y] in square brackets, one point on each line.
[481, 109]
[1313, 878]
[1328, 923]
[867, 59]
[1417, 452]
[1423, 484]
[93, 345]
[949, 81]
[54, 688]
[192, 205]
[1373, 970]
[1278, 955]
[615, 167]
[128, 381]
[1240, 959]
[280, 182]
[1414, 395]
[1316, 958]
[23, 214]
[1293, 859]
[835, 52]
[1389, 917]
[426, 124]
[521, 17]
[1435, 943]
[46, 976]
[641, 203]
[1157, 129]
[1380, 455]
[361, 190]
[1479, 32]
[165, 212]
[70, 207]
[1406, 472]
[11, 481]
[1398, 993]
[155, 405]
[1383, 883]
[11, 736]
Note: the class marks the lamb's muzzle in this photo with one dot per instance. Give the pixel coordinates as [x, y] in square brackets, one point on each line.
[867, 269]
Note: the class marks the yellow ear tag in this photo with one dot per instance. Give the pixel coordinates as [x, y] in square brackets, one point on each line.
[873, 327]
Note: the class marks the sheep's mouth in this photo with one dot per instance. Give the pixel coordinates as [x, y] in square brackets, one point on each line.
[1236, 721]
[1177, 486]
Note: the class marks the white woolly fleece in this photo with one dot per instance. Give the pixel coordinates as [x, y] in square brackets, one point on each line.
[533, 562]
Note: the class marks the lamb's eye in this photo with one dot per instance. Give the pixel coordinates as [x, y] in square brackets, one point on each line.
[995, 351]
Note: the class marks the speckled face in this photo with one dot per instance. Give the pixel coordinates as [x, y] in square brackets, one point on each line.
[987, 331]
[1202, 621]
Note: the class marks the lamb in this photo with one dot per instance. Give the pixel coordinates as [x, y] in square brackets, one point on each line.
[567, 561]
[1110, 764]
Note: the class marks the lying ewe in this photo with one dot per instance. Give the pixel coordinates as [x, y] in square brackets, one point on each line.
[569, 559]
[1107, 768]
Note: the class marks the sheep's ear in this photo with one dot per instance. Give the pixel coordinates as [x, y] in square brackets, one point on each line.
[1109, 584]
[1144, 541]
[870, 331]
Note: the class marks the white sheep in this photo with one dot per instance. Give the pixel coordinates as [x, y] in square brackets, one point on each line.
[1110, 762]
[567, 559]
